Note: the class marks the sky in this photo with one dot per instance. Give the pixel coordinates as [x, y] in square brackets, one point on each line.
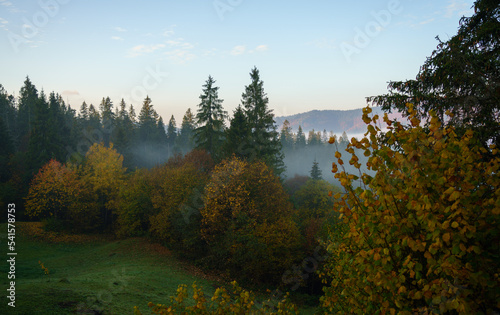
[317, 54]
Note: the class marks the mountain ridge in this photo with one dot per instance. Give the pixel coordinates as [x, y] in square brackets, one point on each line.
[331, 120]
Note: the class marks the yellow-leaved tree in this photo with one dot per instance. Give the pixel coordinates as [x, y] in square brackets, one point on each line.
[421, 234]
[247, 221]
[102, 175]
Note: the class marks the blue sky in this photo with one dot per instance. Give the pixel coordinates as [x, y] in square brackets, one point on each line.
[311, 54]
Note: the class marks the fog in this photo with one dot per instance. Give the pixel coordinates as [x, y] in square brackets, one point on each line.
[300, 161]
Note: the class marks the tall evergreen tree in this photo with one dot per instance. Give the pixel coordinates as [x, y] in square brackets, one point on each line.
[60, 130]
[461, 76]
[8, 113]
[107, 118]
[41, 147]
[185, 137]
[209, 134]
[316, 171]
[286, 136]
[171, 134]
[237, 135]
[264, 139]
[122, 132]
[28, 99]
[300, 141]
[147, 132]
[147, 121]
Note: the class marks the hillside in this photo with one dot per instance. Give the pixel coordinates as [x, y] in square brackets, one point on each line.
[336, 121]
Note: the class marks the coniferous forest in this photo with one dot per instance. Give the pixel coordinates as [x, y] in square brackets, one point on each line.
[406, 222]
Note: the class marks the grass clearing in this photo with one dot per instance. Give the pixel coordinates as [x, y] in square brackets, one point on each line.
[94, 274]
[91, 275]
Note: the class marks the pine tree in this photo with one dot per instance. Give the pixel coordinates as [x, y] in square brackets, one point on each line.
[147, 136]
[60, 134]
[107, 118]
[84, 111]
[171, 134]
[316, 171]
[122, 132]
[8, 113]
[41, 147]
[461, 76]
[210, 119]
[237, 135]
[300, 141]
[286, 136]
[185, 136]
[28, 99]
[264, 139]
[147, 121]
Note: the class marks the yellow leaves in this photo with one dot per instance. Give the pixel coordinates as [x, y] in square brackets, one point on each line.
[446, 237]
[432, 197]
[454, 196]
[415, 121]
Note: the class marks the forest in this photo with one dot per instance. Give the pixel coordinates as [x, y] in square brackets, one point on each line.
[406, 222]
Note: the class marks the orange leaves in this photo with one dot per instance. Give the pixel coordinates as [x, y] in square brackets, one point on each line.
[52, 191]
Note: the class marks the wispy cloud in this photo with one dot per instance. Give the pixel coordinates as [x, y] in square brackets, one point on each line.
[427, 21]
[322, 43]
[70, 92]
[261, 48]
[9, 6]
[181, 50]
[3, 23]
[241, 49]
[456, 8]
[238, 50]
[180, 43]
[5, 3]
[119, 29]
[144, 49]
[179, 55]
[116, 38]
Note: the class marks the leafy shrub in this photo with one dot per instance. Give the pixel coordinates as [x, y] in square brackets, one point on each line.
[238, 301]
[422, 234]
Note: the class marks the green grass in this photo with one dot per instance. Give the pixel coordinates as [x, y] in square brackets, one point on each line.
[109, 276]
[96, 276]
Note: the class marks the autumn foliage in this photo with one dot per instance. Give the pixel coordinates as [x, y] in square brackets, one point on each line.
[81, 196]
[246, 221]
[422, 232]
[235, 301]
[52, 191]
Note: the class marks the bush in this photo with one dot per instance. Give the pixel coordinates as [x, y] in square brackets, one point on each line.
[422, 234]
[237, 301]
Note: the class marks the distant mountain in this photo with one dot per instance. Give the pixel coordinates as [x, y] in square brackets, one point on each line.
[337, 121]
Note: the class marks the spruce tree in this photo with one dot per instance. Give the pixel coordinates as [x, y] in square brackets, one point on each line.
[237, 135]
[210, 119]
[264, 141]
[286, 136]
[171, 134]
[28, 99]
[185, 136]
[316, 171]
[300, 141]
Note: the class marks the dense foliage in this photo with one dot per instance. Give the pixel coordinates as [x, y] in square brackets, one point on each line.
[461, 76]
[422, 234]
